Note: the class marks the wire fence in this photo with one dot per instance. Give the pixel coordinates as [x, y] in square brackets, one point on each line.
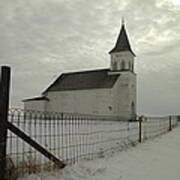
[73, 137]
[155, 126]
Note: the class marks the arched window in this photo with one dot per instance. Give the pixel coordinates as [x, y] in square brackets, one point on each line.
[130, 65]
[123, 65]
[114, 65]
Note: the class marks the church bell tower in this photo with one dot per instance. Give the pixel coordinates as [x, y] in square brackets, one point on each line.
[122, 56]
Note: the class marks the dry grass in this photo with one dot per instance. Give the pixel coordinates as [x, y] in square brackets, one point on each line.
[29, 167]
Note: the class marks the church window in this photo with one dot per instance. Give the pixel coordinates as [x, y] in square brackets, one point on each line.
[114, 65]
[133, 111]
[129, 65]
[123, 65]
[132, 67]
[110, 108]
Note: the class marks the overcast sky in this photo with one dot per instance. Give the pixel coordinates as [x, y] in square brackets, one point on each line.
[40, 39]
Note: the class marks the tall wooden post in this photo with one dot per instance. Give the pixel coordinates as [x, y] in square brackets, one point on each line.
[170, 123]
[140, 129]
[4, 106]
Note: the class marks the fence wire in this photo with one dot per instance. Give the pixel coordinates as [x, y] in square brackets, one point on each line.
[72, 137]
[155, 126]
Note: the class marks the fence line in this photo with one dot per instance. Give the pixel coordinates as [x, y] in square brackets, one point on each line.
[72, 137]
[155, 126]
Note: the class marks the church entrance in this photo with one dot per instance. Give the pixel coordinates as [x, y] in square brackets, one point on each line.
[133, 111]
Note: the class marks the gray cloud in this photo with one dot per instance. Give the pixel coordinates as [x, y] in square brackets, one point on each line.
[42, 38]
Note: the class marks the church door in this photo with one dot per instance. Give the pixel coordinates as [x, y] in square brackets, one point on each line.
[133, 112]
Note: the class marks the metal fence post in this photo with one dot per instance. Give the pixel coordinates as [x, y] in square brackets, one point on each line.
[170, 123]
[4, 106]
[140, 129]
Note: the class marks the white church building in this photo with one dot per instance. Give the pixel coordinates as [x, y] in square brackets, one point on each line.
[110, 91]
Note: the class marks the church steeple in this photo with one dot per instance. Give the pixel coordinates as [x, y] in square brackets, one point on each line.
[122, 56]
[122, 43]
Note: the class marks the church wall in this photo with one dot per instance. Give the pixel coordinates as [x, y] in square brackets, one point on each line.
[124, 93]
[35, 105]
[94, 101]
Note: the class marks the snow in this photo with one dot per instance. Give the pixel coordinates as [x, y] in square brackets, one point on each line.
[156, 159]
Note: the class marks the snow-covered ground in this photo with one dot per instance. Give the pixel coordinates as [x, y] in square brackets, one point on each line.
[157, 159]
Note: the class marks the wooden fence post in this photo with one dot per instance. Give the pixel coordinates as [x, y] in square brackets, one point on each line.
[170, 123]
[140, 129]
[4, 106]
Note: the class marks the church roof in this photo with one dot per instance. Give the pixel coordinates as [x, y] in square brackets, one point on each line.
[122, 43]
[94, 79]
[41, 98]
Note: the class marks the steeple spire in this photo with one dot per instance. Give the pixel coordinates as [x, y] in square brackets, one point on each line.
[122, 43]
[122, 21]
